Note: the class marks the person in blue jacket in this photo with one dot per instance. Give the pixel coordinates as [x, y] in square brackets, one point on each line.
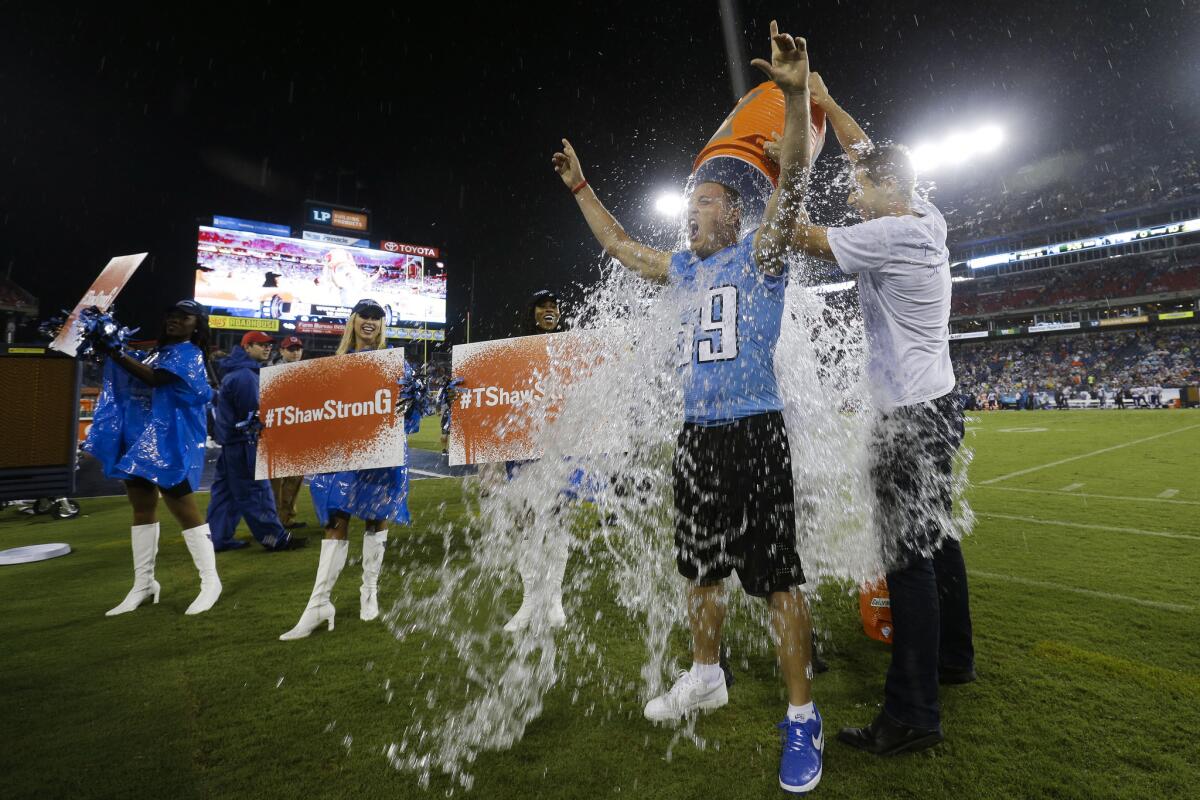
[235, 493]
[375, 496]
[149, 431]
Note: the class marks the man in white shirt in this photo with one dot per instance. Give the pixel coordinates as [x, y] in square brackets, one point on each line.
[899, 256]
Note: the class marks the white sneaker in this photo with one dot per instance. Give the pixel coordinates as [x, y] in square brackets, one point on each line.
[687, 695]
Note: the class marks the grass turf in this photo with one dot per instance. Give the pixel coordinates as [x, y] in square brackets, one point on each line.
[430, 435]
[1089, 673]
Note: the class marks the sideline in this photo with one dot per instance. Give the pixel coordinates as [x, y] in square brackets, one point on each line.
[1087, 455]
[1094, 496]
[1059, 587]
[1085, 526]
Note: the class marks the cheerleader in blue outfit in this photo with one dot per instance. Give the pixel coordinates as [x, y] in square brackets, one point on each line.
[375, 496]
[149, 431]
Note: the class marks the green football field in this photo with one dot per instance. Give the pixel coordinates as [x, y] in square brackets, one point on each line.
[1085, 562]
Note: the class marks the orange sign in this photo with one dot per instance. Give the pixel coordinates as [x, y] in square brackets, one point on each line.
[331, 414]
[103, 292]
[349, 219]
[511, 389]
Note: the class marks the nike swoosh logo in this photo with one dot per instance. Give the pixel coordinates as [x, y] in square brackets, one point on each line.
[819, 740]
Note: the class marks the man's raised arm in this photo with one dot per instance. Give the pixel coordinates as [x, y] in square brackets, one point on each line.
[651, 264]
[789, 70]
[850, 136]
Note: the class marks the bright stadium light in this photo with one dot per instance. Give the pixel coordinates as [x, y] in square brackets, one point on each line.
[669, 204]
[957, 147]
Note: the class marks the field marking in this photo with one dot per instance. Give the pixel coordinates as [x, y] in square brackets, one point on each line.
[1071, 487]
[1167, 494]
[1087, 455]
[1021, 430]
[1085, 526]
[1096, 496]
[428, 474]
[1062, 587]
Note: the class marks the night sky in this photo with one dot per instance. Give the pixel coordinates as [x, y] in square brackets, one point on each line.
[123, 128]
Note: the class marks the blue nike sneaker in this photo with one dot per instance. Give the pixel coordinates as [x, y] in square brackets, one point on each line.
[803, 748]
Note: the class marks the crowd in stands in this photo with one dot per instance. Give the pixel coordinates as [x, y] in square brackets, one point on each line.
[1118, 176]
[1073, 364]
[1130, 276]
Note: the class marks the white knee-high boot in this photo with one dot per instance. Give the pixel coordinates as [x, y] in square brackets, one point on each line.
[556, 567]
[199, 544]
[531, 573]
[145, 549]
[319, 608]
[374, 545]
[541, 580]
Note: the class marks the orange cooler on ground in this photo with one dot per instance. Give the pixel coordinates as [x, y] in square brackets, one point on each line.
[875, 606]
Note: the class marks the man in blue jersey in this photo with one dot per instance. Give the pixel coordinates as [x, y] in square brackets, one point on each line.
[734, 498]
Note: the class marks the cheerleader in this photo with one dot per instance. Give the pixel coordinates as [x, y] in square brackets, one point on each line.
[375, 496]
[149, 431]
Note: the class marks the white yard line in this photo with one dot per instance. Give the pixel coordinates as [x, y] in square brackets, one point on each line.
[1167, 494]
[1086, 455]
[1071, 487]
[428, 474]
[1085, 526]
[1059, 587]
[1095, 496]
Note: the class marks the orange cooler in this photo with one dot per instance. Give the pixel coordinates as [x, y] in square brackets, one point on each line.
[875, 607]
[735, 156]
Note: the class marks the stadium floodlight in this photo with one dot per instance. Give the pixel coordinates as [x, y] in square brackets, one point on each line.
[957, 147]
[669, 204]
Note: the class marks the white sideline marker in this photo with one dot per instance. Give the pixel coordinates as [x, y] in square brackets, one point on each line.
[1088, 527]
[1123, 498]
[1059, 587]
[1167, 494]
[1071, 487]
[1087, 455]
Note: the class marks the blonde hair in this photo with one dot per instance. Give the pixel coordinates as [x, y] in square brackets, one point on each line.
[350, 340]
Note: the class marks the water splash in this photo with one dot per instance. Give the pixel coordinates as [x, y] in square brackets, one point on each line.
[480, 687]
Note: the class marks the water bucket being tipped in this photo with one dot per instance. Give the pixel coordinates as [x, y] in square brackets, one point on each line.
[735, 155]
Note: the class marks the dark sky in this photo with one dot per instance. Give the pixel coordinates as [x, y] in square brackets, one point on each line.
[121, 128]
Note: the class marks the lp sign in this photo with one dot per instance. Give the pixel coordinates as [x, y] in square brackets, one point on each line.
[326, 216]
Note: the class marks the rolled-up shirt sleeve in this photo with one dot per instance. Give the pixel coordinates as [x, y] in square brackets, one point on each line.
[863, 247]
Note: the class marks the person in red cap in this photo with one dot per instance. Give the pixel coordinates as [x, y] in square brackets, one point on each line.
[286, 490]
[235, 493]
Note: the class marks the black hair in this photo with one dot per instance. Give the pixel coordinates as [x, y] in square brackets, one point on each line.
[889, 161]
[201, 337]
[543, 296]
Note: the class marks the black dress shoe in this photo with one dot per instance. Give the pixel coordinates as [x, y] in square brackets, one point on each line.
[886, 737]
[954, 677]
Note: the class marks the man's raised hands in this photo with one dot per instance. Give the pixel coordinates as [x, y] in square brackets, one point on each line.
[566, 164]
[789, 62]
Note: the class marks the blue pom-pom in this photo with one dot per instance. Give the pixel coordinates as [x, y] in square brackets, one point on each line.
[100, 333]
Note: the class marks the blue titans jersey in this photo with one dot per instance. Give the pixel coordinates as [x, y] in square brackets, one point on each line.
[730, 326]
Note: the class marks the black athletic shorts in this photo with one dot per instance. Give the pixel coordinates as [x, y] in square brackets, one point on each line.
[735, 505]
[175, 492]
[912, 464]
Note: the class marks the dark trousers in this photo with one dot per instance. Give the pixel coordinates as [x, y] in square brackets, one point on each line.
[931, 617]
[236, 495]
[913, 451]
